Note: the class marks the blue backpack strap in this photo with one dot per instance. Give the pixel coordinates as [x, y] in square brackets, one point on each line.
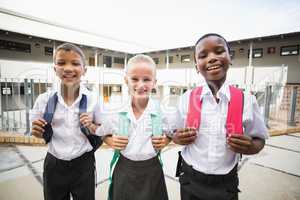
[94, 140]
[48, 116]
[123, 131]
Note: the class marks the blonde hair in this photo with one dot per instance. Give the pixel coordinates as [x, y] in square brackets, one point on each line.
[140, 58]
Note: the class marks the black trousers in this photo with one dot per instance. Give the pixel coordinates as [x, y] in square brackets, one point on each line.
[65, 178]
[195, 185]
[138, 180]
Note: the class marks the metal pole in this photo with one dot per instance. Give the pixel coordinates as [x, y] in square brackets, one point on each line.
[96, 57]
[27, 106]
[267, 104]
[167, 59]
[14, 104]
[6, 106]
[291, 120]
[1, 101]
[31, 93]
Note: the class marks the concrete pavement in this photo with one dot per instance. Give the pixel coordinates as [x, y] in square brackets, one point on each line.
[274, 174]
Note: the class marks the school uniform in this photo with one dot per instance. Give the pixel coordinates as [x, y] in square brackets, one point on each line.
[69, 166]
[209, 168]
[138, 173]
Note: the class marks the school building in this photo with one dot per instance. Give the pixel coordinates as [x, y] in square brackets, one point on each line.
[268, 66]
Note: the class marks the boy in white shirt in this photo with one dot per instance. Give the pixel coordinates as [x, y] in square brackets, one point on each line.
[64, 118]
[213, 142]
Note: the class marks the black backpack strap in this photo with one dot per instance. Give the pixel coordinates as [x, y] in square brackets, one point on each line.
[48, 116]
[94, 140]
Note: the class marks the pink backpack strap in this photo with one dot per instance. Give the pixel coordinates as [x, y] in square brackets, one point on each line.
[234, 123]
[194, 110]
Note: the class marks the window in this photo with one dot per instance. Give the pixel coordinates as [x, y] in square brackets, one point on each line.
[175, 91]
[91, 61]
[116, 88]
[48, 51]
[15, 46]
[156, 60]
[170, 59]
[232, 53]
[119, 60]
[185, 58]
[289, 50]
[107, 61]
[6, 90]
[256, 53]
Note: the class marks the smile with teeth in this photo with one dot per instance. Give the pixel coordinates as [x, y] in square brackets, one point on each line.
[213, 67]
[69, 76]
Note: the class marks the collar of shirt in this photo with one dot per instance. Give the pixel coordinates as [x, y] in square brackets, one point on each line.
[223, 91]
[151, 108]
[57, 89]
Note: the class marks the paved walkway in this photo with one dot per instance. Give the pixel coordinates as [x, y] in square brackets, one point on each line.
[274, 174]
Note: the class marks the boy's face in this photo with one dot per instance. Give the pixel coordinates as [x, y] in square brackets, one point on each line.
[140, 80]
[212, 58]
[69, 67]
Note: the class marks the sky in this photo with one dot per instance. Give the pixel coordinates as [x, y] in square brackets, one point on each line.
[165, 24]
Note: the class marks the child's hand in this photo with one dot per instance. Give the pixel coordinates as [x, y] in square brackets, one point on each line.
[116, 142]
[38, 127]
[185, 136]
[240, 143]
[159, 142]
[86, 120]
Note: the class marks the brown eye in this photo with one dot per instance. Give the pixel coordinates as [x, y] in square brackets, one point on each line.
[220, 50]
[60, 63]
[201, 55]
[76, 64]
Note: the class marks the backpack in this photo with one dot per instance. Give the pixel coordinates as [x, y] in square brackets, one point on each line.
[234, 122]
[95, 141]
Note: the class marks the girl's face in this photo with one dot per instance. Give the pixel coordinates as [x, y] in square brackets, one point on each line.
[69, 67]
[140, 79]
[212, 58]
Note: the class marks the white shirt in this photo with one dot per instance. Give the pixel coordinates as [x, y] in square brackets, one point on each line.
[139, 145]
[67, 142]
[210, 153]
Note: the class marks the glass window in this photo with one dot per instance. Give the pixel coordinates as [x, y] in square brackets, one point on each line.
[185, 58]
[48, 51]
[256, 53]
[119, 60]
[15, 46]
[170, 59]
[289, 50]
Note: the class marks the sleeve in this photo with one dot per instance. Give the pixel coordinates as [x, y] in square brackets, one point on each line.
[109, 124]
[98, 112]
[38, 108]
[254, 124]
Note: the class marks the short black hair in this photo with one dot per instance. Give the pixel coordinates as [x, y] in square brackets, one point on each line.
[70, 47]
[212, 34]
